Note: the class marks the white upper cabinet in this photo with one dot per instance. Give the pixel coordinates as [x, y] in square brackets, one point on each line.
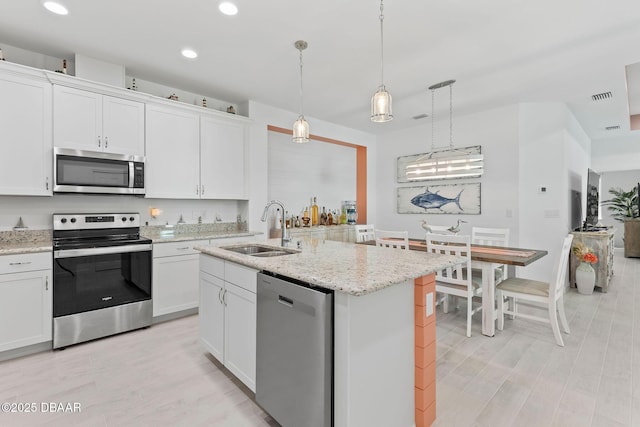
[194, 156]
[26, 148]
[173, 140]
[222, 159]
[90, 121]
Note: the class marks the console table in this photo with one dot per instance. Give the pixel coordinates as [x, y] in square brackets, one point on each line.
[601, 242]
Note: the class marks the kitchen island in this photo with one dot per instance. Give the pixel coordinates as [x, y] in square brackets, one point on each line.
[379, 341]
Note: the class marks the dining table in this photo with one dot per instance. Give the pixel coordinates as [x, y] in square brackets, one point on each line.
[487, 259]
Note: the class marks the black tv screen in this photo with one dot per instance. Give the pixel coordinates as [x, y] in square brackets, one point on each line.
[593, 197]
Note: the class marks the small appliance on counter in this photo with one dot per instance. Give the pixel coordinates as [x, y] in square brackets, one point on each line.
[349, 206]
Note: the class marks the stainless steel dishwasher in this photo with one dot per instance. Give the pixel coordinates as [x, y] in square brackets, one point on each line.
[294, 366]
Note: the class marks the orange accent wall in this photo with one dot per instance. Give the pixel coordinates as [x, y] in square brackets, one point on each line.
[361, 168]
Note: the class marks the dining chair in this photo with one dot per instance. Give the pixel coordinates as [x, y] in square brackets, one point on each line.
[392, 239]
[491, 237]
[365, 232]
[544, 295]
[457, 280]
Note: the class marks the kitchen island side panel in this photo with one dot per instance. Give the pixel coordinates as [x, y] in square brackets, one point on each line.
[374, 358]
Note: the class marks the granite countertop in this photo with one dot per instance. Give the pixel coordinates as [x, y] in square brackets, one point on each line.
[344, 267]
[23, 242]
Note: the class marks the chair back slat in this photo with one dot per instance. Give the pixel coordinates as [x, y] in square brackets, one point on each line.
[392, 239]
[365, 232]
[557, 282]
[452, 245]
[490, 236]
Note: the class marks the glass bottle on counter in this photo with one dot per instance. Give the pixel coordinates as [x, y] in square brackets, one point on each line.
[329, 218]
[343, 216]
[323, 217]
[297, 223]
[314, 212]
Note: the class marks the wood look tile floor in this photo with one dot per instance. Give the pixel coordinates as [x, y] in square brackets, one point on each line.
[161, 377]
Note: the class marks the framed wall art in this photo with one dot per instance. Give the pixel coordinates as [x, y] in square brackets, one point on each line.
[440, 199]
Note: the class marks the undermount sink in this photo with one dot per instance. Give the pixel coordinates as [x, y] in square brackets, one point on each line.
[259, 250]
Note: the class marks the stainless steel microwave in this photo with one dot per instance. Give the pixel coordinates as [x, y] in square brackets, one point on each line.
[91, 172]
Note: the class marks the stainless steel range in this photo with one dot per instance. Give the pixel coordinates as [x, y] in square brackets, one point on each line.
[102, 276]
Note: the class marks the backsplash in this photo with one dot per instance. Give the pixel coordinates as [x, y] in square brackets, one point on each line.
[219, 227]
[25, 236]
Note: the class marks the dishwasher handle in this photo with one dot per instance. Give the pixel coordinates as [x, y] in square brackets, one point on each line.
[285, 301]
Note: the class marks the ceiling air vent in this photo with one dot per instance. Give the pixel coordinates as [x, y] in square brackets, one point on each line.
[601, 96]
[615, 127]
[420, 116]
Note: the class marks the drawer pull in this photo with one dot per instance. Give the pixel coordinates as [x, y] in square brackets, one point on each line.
[20, 263]
[183, 249]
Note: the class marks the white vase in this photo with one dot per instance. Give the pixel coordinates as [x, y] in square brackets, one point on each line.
[585, 278]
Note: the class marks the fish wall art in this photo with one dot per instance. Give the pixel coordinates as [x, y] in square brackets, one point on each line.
[440, 199]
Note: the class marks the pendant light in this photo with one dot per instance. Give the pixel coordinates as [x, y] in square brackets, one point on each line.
[381, 101]
[300, 126]
[449, 162]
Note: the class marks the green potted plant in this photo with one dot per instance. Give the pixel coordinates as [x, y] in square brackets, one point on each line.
[624, 208]
[623, 204]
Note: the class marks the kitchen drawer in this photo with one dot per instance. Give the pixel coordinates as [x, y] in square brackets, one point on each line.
[17, 263]
[213, 266]
[240, 275]
[177, 248]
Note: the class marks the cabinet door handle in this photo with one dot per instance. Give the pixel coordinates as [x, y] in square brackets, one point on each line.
[106, 142]
[224, 298]
[20, 263]
[197, 190]
[46, 183]
[46, 283]
[202, 192]
[219, 297]
[99, 142]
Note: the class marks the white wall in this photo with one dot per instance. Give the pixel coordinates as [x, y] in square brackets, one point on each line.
[616, 153]
[264, 115]
[554, 153]
[496, 131]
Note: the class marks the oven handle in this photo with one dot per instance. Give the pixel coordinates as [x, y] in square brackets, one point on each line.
[71, 253]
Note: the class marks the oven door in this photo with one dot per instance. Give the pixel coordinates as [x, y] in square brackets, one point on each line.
[95, 278]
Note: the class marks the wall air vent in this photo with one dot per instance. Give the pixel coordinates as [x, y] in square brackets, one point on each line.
[601, 96]
[615, 127]
[420, 116]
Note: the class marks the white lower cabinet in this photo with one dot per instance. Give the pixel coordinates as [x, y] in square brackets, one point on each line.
[175, 276]
[228, 315]
[25, 300]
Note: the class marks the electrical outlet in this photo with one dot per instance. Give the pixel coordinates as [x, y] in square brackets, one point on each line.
[543, 189]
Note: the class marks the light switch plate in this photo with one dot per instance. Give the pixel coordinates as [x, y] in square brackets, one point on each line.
[429, 303]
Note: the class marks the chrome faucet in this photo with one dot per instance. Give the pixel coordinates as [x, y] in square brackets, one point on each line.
[285, 239]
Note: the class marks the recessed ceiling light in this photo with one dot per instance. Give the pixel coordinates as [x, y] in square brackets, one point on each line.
[55, 7]
[228, 8]
[189, 53]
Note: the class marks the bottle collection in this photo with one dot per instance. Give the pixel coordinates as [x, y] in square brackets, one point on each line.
[312, 216]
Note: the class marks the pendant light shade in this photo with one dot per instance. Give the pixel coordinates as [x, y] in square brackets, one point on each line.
[381, 109]
[300, 130]
[381, 106]
[300, 126]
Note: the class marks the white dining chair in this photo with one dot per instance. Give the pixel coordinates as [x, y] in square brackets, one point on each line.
[365, 232]
[491, 237]
[544, 295]
[458, 280]
[392, 239]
